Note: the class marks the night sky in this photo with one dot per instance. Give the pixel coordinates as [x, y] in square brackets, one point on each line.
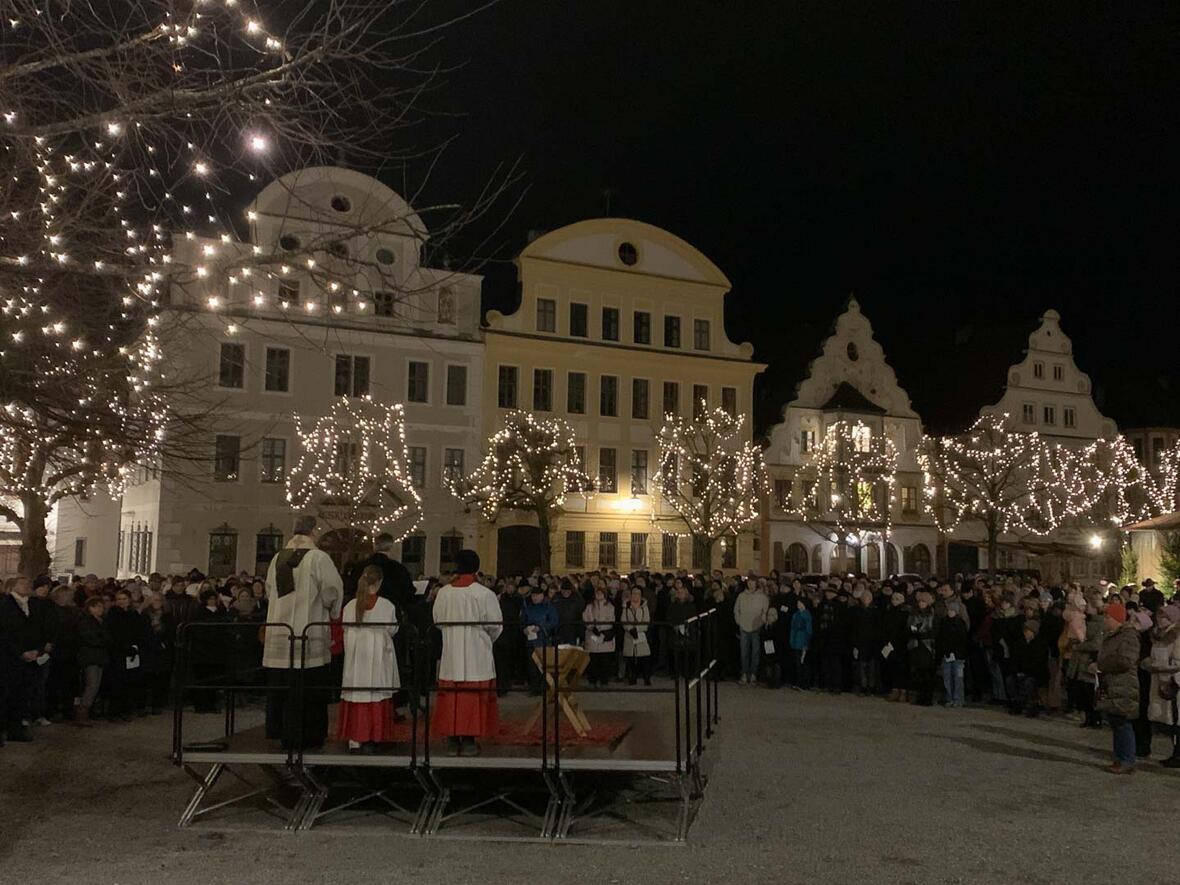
[960, 168]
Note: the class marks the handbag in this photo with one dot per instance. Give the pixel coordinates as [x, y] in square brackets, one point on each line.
[1167, 689]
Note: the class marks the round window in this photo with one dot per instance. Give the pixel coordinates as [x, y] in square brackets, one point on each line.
[338, 249]
[341, 203]
[853, 353]
[628, 254]
[384, 256]
[289, 242]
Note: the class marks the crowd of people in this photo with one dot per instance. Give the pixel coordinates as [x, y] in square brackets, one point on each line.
[84, 649]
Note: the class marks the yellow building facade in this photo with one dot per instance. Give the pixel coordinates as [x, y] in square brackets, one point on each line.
[619, 323]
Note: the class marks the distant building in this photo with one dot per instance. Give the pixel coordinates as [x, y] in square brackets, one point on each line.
[1150, 444]
[849, 381]
[620, 322]
[285, 341]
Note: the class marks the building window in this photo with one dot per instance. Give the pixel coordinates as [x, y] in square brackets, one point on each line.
[1038, 370]
[700, 334]
[1157, 450]
[575, 549]
[1028, 413]
[223, 552]
[909, 499]
[729, 552]
[452, 464]
[610, 324]
[671, 398]
[638, 550]
[344, 457]
[267, 544]
[580, 457]
[79, 552]
[608, 549]
[383, 303]
[782, 493]
[456, 385]
[1069, 417]
[418, 467]
[639, 471]
[641, 327]
[700, 401]
[575, 393]
[414, 554]
[289, 291]
[418, 382]
[140, 557]
[729, 401]
[806, 440]
[1050, 414]
[608, 473]
[628, 254]
[543, 390]
[669, 551]
[274, 459]
[1058, 372]
[446, 307]
[231, 369]
[278, 370]
[227, 452]
[671, 331]
[608, 401]
[862, 438]
[506, 387]
[810, 493]
[579, 322]
[352, 375]
[546, 315]
[698, 557]
[448, 553]
[670, 474]
[639, 406]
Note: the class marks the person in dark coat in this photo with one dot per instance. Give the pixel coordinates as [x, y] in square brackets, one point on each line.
[94, 656]
[832, 640]
[209, 649]
[920, 649]
[1030, 670]
[509, 647]
[26, 640]
[63, 663]
[569, 606]
[867, 640]
[160, 653]
[951, 641]
[397, 585]
[181, 607]
[682, 632]
[896, 632]
[129, 642]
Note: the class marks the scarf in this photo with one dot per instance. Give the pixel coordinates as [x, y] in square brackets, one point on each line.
[285, 564]
[462, 580]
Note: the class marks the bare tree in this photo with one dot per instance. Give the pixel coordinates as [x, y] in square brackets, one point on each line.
[126, 128]
[532, 465]
[709, 476]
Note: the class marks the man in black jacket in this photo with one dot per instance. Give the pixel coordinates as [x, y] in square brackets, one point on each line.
[396, 584]
[25, 637]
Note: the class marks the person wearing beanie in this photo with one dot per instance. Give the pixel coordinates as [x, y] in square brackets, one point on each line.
[468, 615]
[1164, 666]
[1118, 684]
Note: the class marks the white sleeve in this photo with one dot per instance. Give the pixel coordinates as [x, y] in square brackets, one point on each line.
[331, 587]
[392, 617]
[491, 612]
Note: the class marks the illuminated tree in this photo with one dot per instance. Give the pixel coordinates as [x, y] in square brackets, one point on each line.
[854, 472]
[354, 468]
[709, 476]
[1168, 479]
[531, 466]
[128, 127]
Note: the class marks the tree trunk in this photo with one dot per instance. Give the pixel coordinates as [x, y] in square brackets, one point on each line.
[993, 544]
[34, 549]
[546, 547]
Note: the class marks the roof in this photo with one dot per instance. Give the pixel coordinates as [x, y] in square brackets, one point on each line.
[1167, 522]
[848, 399]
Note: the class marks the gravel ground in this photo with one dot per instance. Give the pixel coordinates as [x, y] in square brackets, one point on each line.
[805, 788]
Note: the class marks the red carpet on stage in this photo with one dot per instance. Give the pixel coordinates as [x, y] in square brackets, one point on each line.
[605, 731]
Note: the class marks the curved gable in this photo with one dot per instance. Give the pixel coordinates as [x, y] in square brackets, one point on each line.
[595, 243]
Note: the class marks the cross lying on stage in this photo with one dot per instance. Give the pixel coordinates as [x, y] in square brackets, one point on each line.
[571, 664]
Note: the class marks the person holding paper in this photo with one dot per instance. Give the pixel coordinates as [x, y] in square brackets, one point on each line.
[468, 615]
[538, 621]
[801, 627]
[637, 653]
[25, 637]
[599, 618]
[749, 611]
[129, 638]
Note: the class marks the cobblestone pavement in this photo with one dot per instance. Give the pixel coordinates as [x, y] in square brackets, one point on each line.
[805, 788]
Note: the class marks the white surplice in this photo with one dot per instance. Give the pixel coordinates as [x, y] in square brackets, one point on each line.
[467, 650]
[369, 657]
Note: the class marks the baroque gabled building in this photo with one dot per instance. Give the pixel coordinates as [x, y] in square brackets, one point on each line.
[620, 322]
[850, 381]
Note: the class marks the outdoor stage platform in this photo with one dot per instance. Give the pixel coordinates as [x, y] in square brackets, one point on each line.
[617, 764]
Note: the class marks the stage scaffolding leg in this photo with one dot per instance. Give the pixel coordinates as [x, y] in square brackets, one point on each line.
[426, 806]
[205, 783]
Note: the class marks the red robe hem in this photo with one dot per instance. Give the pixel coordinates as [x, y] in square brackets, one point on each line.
[471, 711]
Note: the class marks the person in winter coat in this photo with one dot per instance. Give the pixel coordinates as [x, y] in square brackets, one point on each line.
[539, 620]
[866, 644]
[771, 657]
[637, 654]
[1081, 656]
[160, 653]
[26, 638]
[599, 618]
[1164, 667]
[683, 630]
[896, 632]
[952, 645]
[209, 649]
[1118, 684]
[830, 640]
[920, 650]
[568, 604]
[749, 611]
[800, 644]
[1030, 669]
[94, 656]
[129, 640]
[63, 663]
[509, 647]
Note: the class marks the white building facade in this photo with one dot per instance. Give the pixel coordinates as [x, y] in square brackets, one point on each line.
[354, 313]
[849, 381]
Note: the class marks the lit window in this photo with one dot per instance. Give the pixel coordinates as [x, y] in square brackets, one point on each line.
[909, 499]
[862, 438]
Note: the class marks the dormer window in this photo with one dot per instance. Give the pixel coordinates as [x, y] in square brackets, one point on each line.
[384, 256]
[289, 243]
[446, 307]
[853, 353]
[628, 254]
[341, 203]
[338, 249]
[1038, 370]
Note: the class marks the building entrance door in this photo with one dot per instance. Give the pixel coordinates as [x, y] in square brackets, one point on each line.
[518, 550]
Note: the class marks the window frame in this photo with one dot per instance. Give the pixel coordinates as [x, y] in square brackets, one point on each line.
[636, 326]
[568, 392]
[645, 487]
[352, 357]
[674, 388]
[672, 325]
[551, 302]
[612, 545]
[614, 470]
[237, 477]
[410, 465]
[732, 393]
[699, 324]
[221, 347]
[538, 373]
[410, 363]
[580, 547]
[602, 396]
[585, 311]
[618, 322]
[447, 388]
[262, 456]
[447, 465]
[643, 384]
[286, 391]
[500, 369]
